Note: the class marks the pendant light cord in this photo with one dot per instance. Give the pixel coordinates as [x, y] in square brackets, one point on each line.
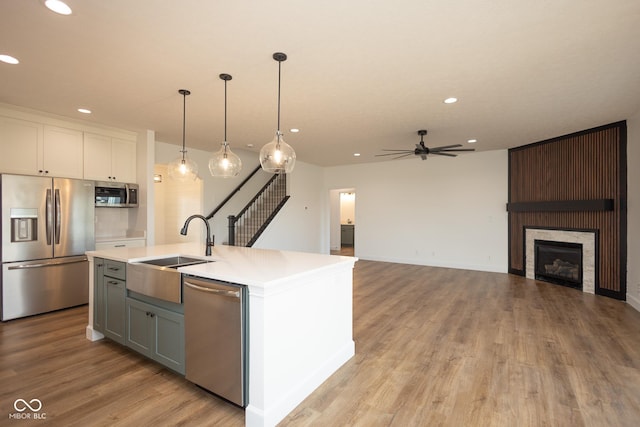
[279, 79]
[225, 114]
[184, 123]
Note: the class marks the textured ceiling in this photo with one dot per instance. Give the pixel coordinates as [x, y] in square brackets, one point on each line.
[362, 75]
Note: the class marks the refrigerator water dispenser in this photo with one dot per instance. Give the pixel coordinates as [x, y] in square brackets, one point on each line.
[24, 225]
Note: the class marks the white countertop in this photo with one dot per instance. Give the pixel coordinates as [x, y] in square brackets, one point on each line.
[246, 266]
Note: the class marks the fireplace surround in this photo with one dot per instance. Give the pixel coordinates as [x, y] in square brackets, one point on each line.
[586, 238]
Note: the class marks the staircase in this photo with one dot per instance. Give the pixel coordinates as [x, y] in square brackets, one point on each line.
[253, 219]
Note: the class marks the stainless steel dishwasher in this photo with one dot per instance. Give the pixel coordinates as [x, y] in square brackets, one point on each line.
[215, 318]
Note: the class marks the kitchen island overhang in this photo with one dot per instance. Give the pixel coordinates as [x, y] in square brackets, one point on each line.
[300, 316]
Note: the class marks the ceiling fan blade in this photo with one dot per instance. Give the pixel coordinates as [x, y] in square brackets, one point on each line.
[394, 154]
[444, 147]
[443, 153]
[403, 155]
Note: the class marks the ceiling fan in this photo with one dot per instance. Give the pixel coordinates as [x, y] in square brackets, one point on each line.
[422, 151]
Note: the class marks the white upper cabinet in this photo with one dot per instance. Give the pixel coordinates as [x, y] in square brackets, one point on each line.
[21, 146]
[35, 149]
[109, 159]
[62, 153]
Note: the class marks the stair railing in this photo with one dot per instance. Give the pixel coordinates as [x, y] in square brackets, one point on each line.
[253, 219]
[238, 188]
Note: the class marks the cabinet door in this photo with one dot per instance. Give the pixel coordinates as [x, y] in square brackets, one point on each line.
[123, 160]
[97, 157]
[169, 339]
[114, 309]
[62, 152]
[139, 336]
[21, 146]
[98, 295]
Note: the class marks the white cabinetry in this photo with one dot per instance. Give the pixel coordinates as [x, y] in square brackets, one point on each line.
[35, 149]
[62, 152]
[109, 159]
[125, 243]
[21, 146]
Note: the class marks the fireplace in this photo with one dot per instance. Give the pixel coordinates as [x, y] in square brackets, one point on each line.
[558, 262]
[588, 239]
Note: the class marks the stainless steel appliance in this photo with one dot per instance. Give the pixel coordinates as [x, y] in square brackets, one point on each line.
[47, 225]
[215, 320]
[116, 195]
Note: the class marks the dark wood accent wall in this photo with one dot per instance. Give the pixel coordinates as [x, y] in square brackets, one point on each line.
[574, 182]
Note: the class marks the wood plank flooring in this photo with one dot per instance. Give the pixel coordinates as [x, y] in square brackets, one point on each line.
[434, 347]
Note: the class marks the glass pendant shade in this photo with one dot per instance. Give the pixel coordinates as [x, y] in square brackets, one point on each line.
[183, 169]
[277, 156]
[225, 163]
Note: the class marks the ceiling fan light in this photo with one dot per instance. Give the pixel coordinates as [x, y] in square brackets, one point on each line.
[277, 156]
[225, 163]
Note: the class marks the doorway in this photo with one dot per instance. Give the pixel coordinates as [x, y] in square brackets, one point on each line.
[343, 221]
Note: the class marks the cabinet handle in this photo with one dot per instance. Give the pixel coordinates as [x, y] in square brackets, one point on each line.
[119, 246]
[113, 268]
[111, 282]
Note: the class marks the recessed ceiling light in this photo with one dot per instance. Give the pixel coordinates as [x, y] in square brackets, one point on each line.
[58, 6]
[84, 111]
[450, 100]
[294, 130]
[250, 145]
[356, 154]
[9, 59]
[471, 141]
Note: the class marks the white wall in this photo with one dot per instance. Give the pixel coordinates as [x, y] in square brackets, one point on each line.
[348, 208]
[442, 211]
[633, 211]
[301, 224]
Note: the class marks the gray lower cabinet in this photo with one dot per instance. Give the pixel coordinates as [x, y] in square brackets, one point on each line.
[110, 298]
[347, 234]
[156, 333]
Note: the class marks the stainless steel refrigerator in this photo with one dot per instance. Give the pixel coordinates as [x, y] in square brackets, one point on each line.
[47, 225]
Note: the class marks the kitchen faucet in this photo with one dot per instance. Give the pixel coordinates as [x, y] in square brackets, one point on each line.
[209, 243]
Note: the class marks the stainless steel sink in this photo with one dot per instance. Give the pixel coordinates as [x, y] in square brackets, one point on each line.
[159, 278]
[174, 261]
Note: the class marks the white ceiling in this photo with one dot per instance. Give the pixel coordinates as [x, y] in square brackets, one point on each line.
[362, 75]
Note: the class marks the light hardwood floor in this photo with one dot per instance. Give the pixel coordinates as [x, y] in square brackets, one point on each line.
[434, 347]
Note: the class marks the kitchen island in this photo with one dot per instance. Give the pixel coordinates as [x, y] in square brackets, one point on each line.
[300, 322]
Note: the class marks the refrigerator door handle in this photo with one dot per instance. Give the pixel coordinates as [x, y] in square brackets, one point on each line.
[58, 214]
[48, 264]
[49, 219]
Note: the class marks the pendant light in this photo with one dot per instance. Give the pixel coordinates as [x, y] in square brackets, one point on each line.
[225, 163]
[183, 168]
[278, 156]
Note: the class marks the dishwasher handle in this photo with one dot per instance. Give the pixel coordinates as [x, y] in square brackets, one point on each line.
[235, 294]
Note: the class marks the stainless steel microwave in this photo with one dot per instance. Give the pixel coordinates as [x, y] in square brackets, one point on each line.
[116, 195]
